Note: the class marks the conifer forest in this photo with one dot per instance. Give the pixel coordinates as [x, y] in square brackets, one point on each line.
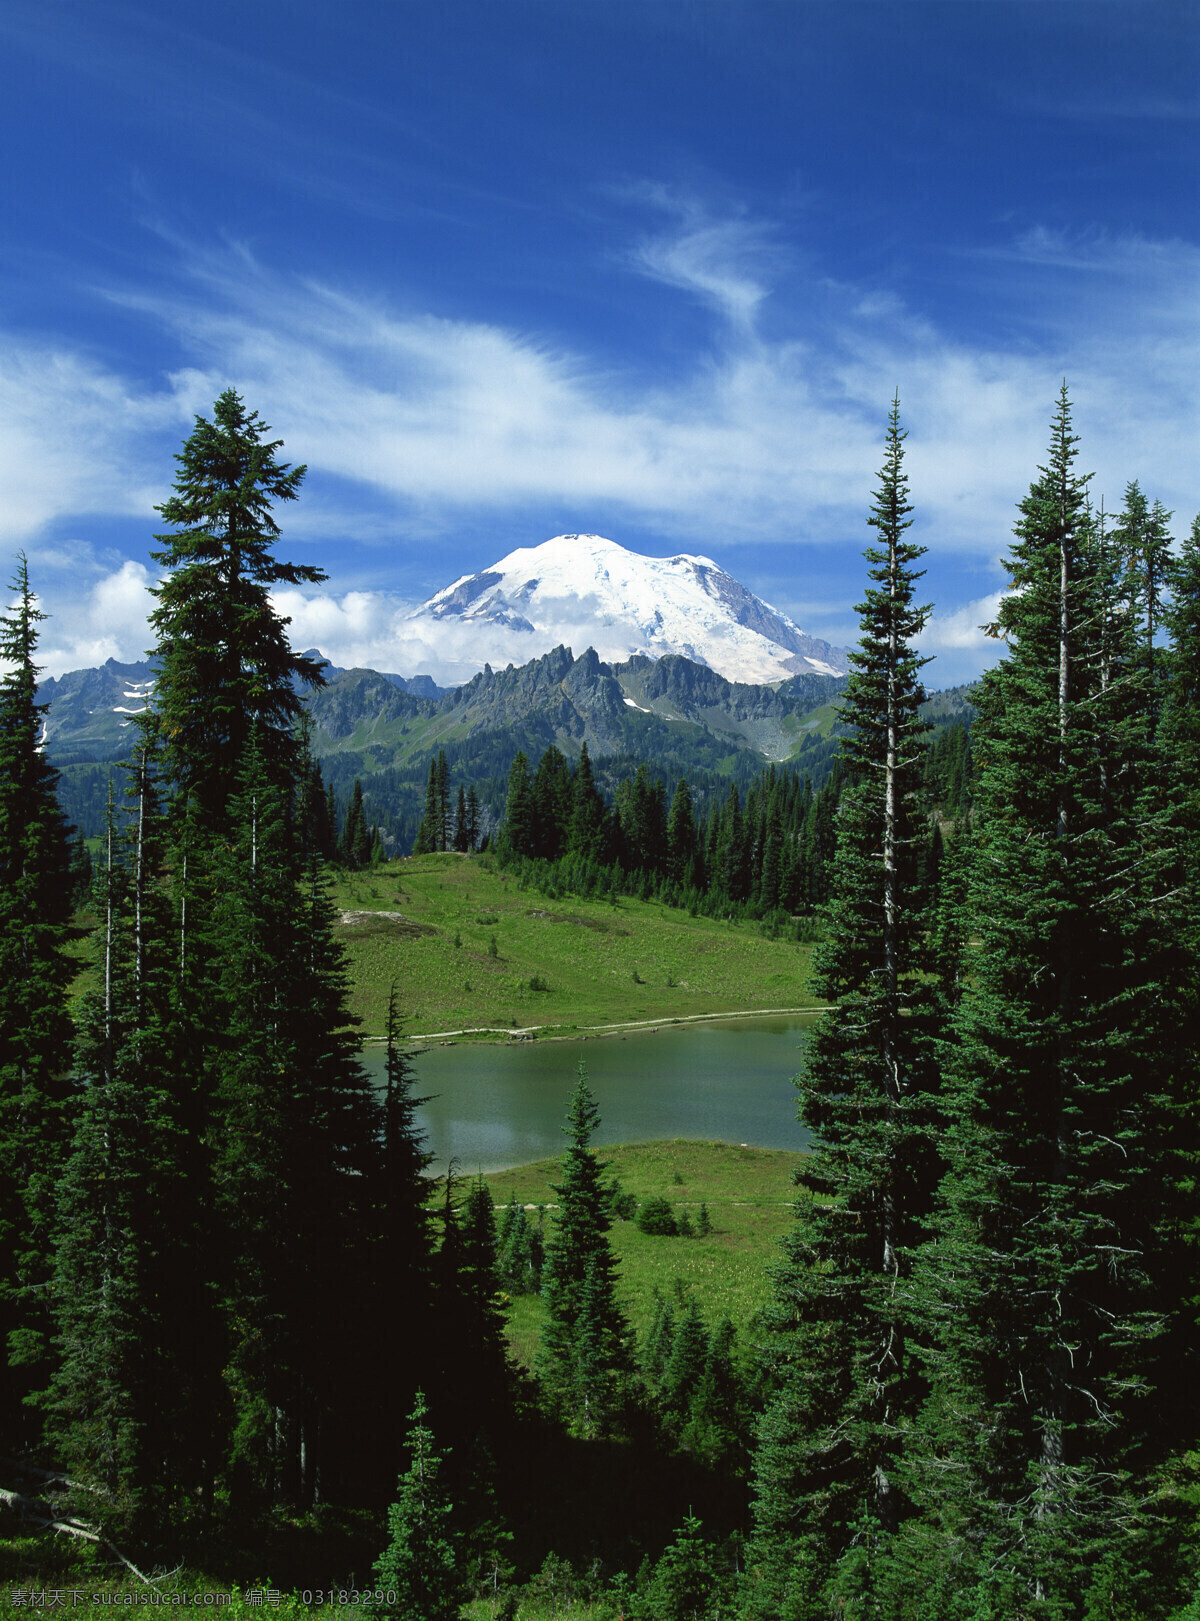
[250, 1338]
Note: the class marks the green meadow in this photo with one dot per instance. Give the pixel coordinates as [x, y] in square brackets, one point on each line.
[469, 949]
[750, 1199]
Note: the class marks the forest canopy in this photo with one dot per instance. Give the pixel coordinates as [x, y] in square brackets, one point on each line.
[237, 1309]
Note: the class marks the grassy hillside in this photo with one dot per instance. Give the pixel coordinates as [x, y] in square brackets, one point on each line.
[749, 1195]
[428, 924]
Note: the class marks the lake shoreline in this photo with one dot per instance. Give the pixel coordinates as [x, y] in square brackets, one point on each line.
[493, 1035]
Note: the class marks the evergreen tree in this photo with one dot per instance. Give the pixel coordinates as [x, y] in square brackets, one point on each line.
[331, 822]
[223, 660]
[829, 1444]
[518, 832]
[398, 1278]
[1180, 744]
[1144, 540]
[434, 833]
[355, 841]
[772, 857]
[472, 819]
[297, 1127]
[586, 835]
[584, 1355]
[442, 828]
[462, 837]
[421, 1565]
[681, 837]
[35, 1031]
[685, 1366]
[716, 1427]
[134, 1399]
[656, 1353]
[731, 868]
[552, 793]
[685, 1584]
[1042, 1282]
[472, 1380]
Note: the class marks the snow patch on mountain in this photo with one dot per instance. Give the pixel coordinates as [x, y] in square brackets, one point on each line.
[586, 591]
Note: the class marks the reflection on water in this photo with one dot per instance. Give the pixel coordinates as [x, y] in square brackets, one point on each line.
[495, 1106]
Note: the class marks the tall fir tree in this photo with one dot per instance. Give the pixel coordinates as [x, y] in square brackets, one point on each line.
[298, 1129]
[517, 835]
[36, 898]
[681, 837]
[224, 664]
[826, 1466]
[135, 1399]
[1046, 1320]
[393, 1271]
[584, 1358]
[585, 837]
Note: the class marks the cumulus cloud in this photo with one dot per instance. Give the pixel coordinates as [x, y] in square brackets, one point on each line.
[374, 630]
[958, 643]
[108, 621]
[964, 627]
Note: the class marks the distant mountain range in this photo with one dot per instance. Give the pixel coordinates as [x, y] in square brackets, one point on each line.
[585, 591]
[91, 710]
[680, 717]
[387, 719]
[675, 710]
[641, 706]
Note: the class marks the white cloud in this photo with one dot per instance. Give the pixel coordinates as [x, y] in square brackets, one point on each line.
[74, 438]
[372, 630]
[108, 621]
[725, 262]
[770, 437]
[765, 439]
[959, 644]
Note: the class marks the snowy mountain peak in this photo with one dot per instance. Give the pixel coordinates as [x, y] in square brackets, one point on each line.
[588, 591]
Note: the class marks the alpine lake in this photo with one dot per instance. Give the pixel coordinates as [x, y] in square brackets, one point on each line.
[488, 1107]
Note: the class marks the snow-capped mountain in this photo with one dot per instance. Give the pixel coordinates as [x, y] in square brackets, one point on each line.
[586, 591]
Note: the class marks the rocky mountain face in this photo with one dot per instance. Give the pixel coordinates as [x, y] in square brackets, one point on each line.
[615, 708]
[91, 711]
[584, 590]
[682, 717]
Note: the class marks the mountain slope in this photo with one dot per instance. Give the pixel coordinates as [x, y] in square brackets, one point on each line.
[584, 590]
[641, 706]
[91, 711]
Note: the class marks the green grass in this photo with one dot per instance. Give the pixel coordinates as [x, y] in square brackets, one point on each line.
[586, 952]
[749, 1195]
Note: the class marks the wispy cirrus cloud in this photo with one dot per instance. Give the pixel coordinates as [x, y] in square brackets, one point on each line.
[75, 437]
[771, 436]
[728, 262]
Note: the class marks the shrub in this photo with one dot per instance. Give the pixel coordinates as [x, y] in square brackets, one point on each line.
[622, 1205]
[657, 1218]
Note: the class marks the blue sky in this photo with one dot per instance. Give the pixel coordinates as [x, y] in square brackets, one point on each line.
[500, 270]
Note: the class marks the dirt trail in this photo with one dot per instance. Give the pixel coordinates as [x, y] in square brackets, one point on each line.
[527, 1032]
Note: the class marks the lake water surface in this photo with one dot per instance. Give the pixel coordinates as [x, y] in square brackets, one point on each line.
[495, 1106]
